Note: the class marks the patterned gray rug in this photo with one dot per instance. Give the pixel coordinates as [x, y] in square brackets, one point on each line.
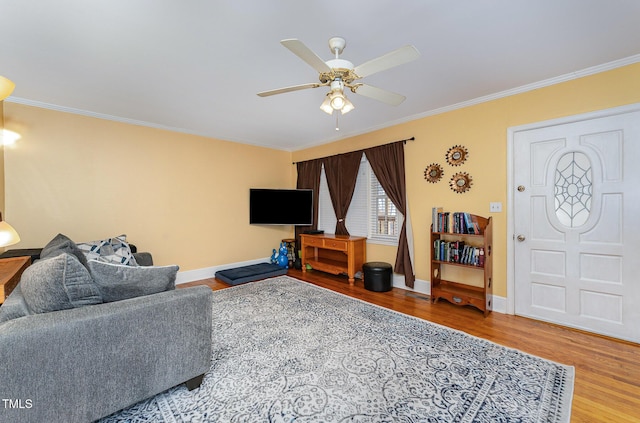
[288, 351]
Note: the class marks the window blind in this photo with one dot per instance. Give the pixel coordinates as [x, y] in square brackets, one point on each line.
[362, 217]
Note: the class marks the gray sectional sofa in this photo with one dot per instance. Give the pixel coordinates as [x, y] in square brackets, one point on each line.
[114, 338]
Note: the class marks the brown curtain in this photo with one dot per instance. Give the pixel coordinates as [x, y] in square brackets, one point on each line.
[342, 172]
[387, 163]
[309, 178]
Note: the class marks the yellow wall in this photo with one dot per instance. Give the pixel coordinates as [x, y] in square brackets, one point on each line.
[482, 129]
[182, 197]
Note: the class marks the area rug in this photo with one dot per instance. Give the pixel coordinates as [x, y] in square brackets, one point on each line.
[288, 351]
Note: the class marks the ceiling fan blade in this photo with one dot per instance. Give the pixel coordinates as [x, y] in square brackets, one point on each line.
[298, 48]
[379, 94]
[394, 58]
[289, 89]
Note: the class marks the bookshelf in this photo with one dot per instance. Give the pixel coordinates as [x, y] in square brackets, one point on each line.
[465, 241]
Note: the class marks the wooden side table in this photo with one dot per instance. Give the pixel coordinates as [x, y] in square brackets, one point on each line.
[334, 253]
[10, 272]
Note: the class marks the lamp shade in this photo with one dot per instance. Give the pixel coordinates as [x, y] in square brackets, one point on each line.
[8, 235]
[6, 87]
[337, 100]
[326, 105]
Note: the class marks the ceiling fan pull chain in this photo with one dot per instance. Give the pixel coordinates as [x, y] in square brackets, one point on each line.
[337, 126]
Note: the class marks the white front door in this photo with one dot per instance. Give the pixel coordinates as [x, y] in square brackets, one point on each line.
[576, 223]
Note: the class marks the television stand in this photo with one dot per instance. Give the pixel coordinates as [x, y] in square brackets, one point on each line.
[334, 254]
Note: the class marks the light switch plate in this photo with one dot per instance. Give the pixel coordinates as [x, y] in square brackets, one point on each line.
[495, 207]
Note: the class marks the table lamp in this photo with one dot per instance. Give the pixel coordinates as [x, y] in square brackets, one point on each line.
[8, 235]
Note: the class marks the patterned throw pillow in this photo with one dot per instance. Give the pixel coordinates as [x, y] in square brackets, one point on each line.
[111, 250]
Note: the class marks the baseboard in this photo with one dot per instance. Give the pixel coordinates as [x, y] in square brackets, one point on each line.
[499, 304]
[419, 286]
[210, 272]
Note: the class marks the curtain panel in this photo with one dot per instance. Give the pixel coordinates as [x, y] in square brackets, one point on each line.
[342, 172]
[387, 163]
[308, 178]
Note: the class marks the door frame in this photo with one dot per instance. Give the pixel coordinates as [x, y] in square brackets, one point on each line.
[511, 131]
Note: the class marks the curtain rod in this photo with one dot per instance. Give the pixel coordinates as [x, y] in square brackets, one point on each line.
[392, 142]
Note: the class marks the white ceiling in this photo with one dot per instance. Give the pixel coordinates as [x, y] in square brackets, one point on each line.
[196, 65]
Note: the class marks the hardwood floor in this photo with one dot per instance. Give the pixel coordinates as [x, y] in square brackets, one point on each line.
[607, 383]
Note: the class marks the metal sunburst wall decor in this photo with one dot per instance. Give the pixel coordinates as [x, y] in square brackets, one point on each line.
[433, 173]
[461, 182]
[457, 155]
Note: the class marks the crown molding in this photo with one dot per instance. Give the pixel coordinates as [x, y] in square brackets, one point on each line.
[534, 86]
[518, 90]
[87, 113]
[495, 96]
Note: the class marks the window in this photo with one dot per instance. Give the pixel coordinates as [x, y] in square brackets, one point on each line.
[371, 213]
[385, 218]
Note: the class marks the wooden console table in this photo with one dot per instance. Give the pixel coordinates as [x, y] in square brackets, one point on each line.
[10, 271]
[334, 253]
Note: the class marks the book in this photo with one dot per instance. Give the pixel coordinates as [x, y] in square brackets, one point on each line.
[435, 213]
[468, 224]
[446, 227]
[476, 227]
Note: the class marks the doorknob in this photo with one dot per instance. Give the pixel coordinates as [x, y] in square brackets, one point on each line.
[521, 188]
[521, 238]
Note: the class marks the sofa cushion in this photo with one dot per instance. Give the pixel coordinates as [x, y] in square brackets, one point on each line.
[110, 250]
[118, 282]
[58, 283]
[62, 244]
[14, 306]
[143, 259]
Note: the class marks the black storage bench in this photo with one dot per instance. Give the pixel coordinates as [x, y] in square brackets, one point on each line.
[377, 276]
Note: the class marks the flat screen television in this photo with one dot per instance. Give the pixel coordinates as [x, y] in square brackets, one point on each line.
[280, 206]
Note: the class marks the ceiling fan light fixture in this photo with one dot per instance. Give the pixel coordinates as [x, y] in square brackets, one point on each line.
[326, 105]
[348, 106]
[337, 100]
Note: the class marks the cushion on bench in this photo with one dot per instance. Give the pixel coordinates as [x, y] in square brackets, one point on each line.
[253, 272]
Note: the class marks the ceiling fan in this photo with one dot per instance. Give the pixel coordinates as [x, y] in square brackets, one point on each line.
[339, 74]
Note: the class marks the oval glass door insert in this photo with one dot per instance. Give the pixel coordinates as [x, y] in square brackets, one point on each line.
[573, 189]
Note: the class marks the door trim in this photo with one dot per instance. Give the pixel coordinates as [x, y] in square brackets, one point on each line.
[511, 132]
